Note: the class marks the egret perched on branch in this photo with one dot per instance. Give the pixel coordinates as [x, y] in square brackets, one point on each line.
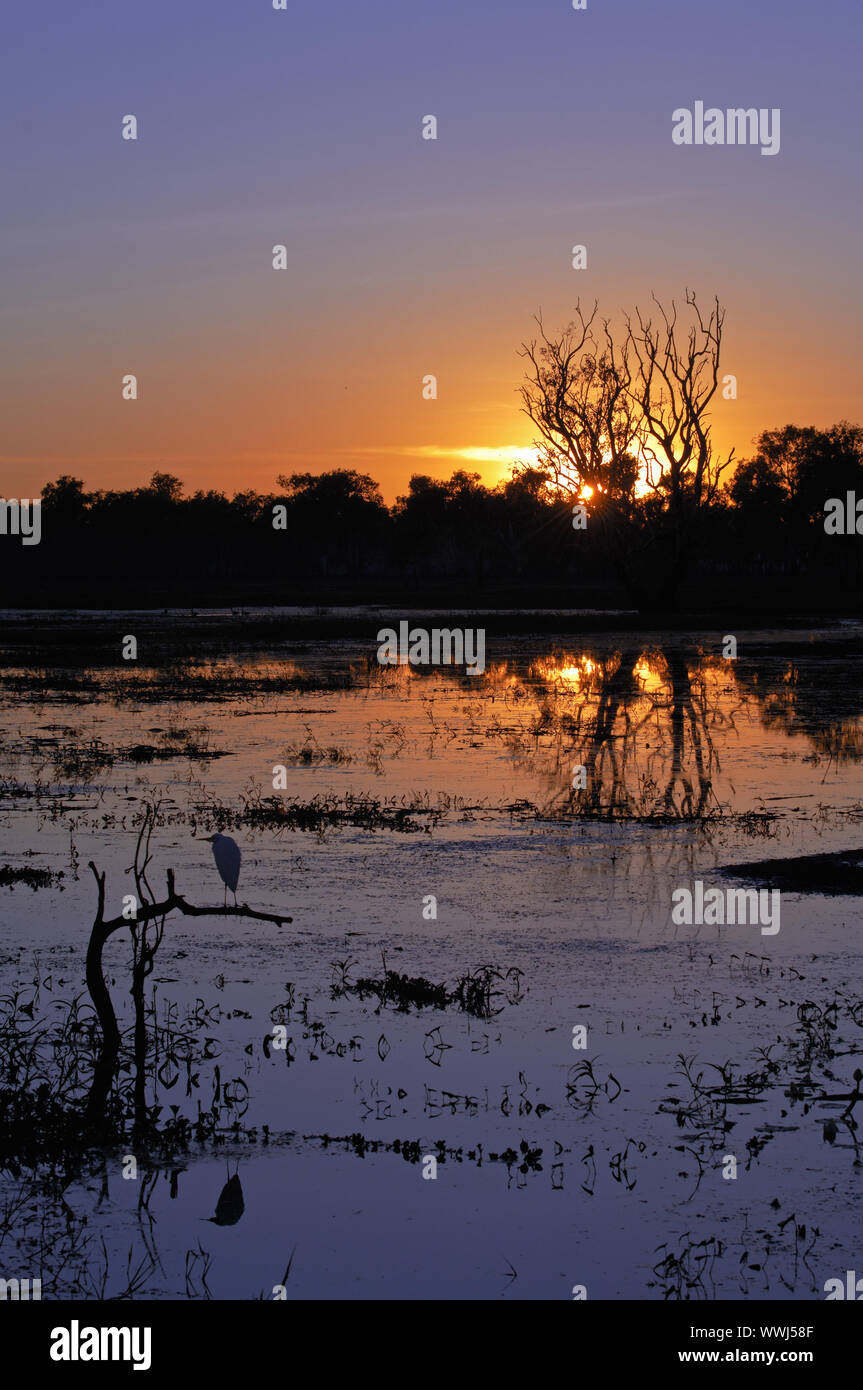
[226, 853]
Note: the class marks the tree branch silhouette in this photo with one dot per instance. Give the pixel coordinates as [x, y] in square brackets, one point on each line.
[101, 932]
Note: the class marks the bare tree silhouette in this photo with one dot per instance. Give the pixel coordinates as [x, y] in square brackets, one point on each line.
[147, 929]
[624, 427]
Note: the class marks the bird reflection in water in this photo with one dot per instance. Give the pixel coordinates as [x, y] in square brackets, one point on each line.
[230, 1205]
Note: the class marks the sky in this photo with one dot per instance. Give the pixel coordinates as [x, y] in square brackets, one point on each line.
[406, 257]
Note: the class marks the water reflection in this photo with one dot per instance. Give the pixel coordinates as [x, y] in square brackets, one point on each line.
[634, 731]
[637, 728]
[817, 697]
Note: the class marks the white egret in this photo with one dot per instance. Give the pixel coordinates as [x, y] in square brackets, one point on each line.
[226, 853]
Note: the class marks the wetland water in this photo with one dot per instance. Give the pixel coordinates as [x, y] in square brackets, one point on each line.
[600, 1166]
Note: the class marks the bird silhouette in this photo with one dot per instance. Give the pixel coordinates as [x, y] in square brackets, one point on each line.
[230, 1205]
[226, 853]
[830, 1131]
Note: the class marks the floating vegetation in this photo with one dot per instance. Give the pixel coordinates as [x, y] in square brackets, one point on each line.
[196, 681]
[77, 758]
[477, 993]
[328, 811]
[401, 992]
[30, 878]
[312, 754]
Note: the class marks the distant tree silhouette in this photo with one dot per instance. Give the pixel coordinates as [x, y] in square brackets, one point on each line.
[65, 500]
[336, 520]
[165, 485]
[795, 469]
[757, 490]
[341, 490]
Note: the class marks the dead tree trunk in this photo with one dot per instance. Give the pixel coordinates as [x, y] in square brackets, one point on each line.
[96, 1117]
[107, 1060]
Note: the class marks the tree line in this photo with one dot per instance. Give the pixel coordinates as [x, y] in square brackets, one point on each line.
[628, 504]
[336, 541]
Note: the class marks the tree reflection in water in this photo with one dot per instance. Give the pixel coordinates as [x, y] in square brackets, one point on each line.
[636, 728]
[819, 698]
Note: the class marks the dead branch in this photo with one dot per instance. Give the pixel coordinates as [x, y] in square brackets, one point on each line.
[100, 933]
